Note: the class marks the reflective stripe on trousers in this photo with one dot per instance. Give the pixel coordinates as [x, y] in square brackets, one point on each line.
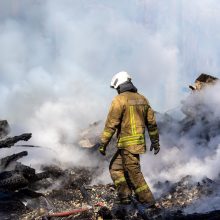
[142, 188]
[119, 181]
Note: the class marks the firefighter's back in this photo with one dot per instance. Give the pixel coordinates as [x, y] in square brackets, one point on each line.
[131, 134]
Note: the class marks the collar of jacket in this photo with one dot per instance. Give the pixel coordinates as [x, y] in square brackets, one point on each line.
[127, 86]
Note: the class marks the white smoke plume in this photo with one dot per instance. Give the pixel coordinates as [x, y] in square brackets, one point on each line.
[190, 145]
[57, 59]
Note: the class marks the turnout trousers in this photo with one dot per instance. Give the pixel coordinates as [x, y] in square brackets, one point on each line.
[126, 174]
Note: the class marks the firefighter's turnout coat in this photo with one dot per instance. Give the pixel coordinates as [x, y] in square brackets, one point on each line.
[130, 113]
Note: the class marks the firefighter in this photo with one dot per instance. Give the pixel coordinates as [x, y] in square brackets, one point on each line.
[129, 114]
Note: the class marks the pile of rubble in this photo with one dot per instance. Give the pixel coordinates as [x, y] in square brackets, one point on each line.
[57, 193]
[68, 194]
[16, 179]
[76, 199]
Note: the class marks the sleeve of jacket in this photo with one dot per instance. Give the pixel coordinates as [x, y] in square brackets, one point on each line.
[113, 121]
[151, 124]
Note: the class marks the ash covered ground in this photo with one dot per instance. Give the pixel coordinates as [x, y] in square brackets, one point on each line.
[185, 178]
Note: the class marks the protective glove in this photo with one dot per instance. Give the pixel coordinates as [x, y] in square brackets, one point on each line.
[156, 146]
[101, 148]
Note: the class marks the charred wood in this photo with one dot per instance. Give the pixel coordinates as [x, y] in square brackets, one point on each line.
[10, 141]
[4, 128]
[6, 161]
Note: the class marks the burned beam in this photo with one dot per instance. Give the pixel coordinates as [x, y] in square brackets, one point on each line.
[4, 162]
[9, 142]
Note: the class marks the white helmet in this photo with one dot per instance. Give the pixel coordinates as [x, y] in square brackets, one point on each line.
[119, 79]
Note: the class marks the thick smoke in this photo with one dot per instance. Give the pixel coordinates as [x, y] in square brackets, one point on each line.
[190, 145]
[57, 59]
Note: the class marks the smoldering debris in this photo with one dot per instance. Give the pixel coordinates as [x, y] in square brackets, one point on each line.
[15, 177]
[186, 191]
[73, 193]
[4, 128]
[75, 198]
[202, 81]
[84, 201]
[10, 141]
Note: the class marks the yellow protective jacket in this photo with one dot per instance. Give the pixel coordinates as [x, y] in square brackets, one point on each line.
[129, 114]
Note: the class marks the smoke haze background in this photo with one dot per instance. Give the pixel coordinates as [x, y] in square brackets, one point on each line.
[57, 59]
